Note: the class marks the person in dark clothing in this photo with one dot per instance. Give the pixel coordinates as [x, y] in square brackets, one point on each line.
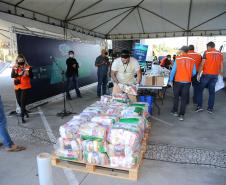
[102, 63]
[166, 62]
[22, 73]
[72, 75]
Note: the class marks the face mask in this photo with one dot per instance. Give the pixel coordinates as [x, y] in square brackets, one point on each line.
[21, 63]
[169, 58]
[71, 56]
[106, 53]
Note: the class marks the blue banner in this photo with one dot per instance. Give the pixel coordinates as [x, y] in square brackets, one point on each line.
[140, 52]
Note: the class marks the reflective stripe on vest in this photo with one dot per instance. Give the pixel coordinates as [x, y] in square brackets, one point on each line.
[212, 65]
[25, 82]
[197, 57]
[184, 69]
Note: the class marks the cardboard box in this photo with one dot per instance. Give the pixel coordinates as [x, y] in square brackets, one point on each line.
[149, 80]
[154, 81]
[159, 81]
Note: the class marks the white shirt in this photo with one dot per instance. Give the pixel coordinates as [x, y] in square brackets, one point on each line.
[125, 72]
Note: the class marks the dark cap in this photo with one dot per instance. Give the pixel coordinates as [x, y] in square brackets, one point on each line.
[184, 49]
[125, 54]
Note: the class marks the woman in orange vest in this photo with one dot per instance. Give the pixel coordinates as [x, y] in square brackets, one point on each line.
[22, 73]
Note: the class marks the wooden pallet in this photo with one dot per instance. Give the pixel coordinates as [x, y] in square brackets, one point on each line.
[80, 166]
[123, 173]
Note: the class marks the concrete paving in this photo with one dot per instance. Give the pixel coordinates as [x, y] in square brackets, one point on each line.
[201, 131]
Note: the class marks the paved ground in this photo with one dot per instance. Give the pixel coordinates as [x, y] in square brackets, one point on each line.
[199, 140]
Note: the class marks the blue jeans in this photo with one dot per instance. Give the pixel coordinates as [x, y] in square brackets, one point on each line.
[207, 81]
[3, 130]
[102, 82]
[74, 79]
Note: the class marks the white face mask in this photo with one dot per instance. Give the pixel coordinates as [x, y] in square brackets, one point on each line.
[71, 56]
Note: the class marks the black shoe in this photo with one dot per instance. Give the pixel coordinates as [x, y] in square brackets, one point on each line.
[79, 96]
[27, 115]
[199, 109]
[23, 120]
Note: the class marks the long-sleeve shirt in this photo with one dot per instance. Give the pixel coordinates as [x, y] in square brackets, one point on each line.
[174, 69]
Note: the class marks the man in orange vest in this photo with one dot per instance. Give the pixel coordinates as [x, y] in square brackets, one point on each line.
[210, 68]
[198, 59]
[182, 72]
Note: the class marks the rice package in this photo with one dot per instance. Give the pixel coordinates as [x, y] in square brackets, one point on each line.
[128, 89]
[69, 149]
[106, 98]
[94, 146]
[104, 120]
[70, 129]
[96, 158]
[121, 150]
[123, 98]
[92, 131]
[125, 162]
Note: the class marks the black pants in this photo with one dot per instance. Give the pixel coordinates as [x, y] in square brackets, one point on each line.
[195, 85]
[180, 90]
[21, 97]
[74, 80]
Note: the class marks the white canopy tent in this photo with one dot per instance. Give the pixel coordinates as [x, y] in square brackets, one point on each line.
[121, 19]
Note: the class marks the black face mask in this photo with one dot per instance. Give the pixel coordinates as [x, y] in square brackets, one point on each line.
[106, 53]
[21, 63]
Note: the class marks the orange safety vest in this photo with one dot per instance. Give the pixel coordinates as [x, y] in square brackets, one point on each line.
[184, 69]
[213, 62]
[25, 82]
[197, 57]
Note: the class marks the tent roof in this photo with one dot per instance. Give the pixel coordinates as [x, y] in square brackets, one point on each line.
[132, 18]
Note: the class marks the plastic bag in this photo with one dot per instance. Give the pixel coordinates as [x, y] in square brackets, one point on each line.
[92, 131]
[94, 146]
[104, 120]
[96, 158]
[220, 83]
[125, 162]
[128, 89]
[70, 129]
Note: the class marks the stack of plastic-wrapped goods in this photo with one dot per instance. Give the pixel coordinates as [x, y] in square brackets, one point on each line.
[108, 132]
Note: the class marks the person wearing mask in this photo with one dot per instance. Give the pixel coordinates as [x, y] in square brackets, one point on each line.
[7, 141]
[210, 67]
[166, 62]
[102, 63]
[72, 75]
[123, 70]
[22, 74]
[182, 72]
[198, 59]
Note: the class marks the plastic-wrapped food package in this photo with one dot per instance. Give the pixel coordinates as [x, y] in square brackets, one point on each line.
[124, 137]
[136, 124]
[88, 115]
[106, 98]
[131, 112]
[96, 110]
[70, 129]
[69, 149]
[96, 158]
[104, 120]
[120, 98]
[128, 89]
[125, 162]
[94, 146]
[121, 150]
[92, 131]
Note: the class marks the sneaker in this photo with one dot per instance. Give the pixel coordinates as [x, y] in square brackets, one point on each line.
[174, 113]
[181, 118]
[210, 111]
[198, 109]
